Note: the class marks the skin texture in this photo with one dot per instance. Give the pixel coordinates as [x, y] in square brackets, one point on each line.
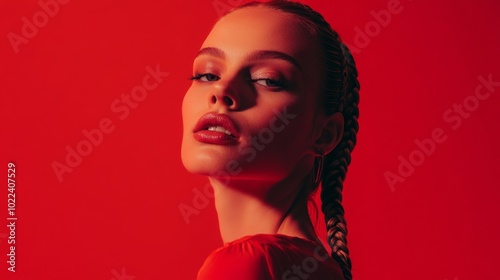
[256, 182]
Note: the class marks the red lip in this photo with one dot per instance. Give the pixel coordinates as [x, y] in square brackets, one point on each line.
[202, 134]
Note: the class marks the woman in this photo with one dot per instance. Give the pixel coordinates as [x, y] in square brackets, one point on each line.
[271, 113]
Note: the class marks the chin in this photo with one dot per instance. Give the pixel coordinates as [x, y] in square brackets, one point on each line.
[203, 162]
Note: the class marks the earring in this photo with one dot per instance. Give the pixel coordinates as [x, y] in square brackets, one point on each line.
[318, 167]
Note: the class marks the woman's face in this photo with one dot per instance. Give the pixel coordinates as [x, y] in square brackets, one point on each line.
[250, 112]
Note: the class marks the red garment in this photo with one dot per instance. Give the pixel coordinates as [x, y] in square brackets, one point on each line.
[270, 257]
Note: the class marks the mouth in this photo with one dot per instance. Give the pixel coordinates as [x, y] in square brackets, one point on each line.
[215, 128]
[219, 129]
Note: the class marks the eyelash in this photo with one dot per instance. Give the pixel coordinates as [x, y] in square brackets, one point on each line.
[198, 76]
[279, 84]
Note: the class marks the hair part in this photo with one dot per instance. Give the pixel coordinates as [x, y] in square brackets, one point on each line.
[340, 93]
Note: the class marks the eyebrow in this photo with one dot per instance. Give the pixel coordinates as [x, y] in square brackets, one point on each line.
[256, 55]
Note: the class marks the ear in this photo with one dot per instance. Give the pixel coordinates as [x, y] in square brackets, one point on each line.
[328, 132]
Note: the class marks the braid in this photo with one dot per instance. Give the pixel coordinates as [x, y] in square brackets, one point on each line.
[340, 94]
[335, 169]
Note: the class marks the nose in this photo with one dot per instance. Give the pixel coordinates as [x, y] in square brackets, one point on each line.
[224, 94]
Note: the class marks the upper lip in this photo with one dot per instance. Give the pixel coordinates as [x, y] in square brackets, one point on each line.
[214, 119]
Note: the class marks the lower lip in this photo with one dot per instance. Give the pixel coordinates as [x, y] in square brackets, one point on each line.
[215, 137]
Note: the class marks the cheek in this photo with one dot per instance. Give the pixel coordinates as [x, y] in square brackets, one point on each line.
[185, 111]
[285, 120]
[279, 139]
[189, 112]
[191, 105]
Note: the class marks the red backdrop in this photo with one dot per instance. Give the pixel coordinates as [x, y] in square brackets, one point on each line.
[95, 139]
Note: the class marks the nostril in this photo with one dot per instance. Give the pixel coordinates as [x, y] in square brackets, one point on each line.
[228, 101]
[214, 99]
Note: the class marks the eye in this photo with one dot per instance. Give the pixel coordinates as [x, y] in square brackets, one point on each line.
[205, 77]
[270, 83]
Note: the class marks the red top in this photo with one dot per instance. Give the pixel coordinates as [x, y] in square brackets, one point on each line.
[269, 257]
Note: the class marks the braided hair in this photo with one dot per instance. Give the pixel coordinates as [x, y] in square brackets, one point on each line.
[340, 94]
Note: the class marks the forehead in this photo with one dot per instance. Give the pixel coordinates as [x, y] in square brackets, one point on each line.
[262, 28]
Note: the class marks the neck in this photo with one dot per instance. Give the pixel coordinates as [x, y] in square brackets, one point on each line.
[246, 207]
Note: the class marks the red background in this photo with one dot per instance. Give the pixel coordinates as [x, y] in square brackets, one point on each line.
[116, 213]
